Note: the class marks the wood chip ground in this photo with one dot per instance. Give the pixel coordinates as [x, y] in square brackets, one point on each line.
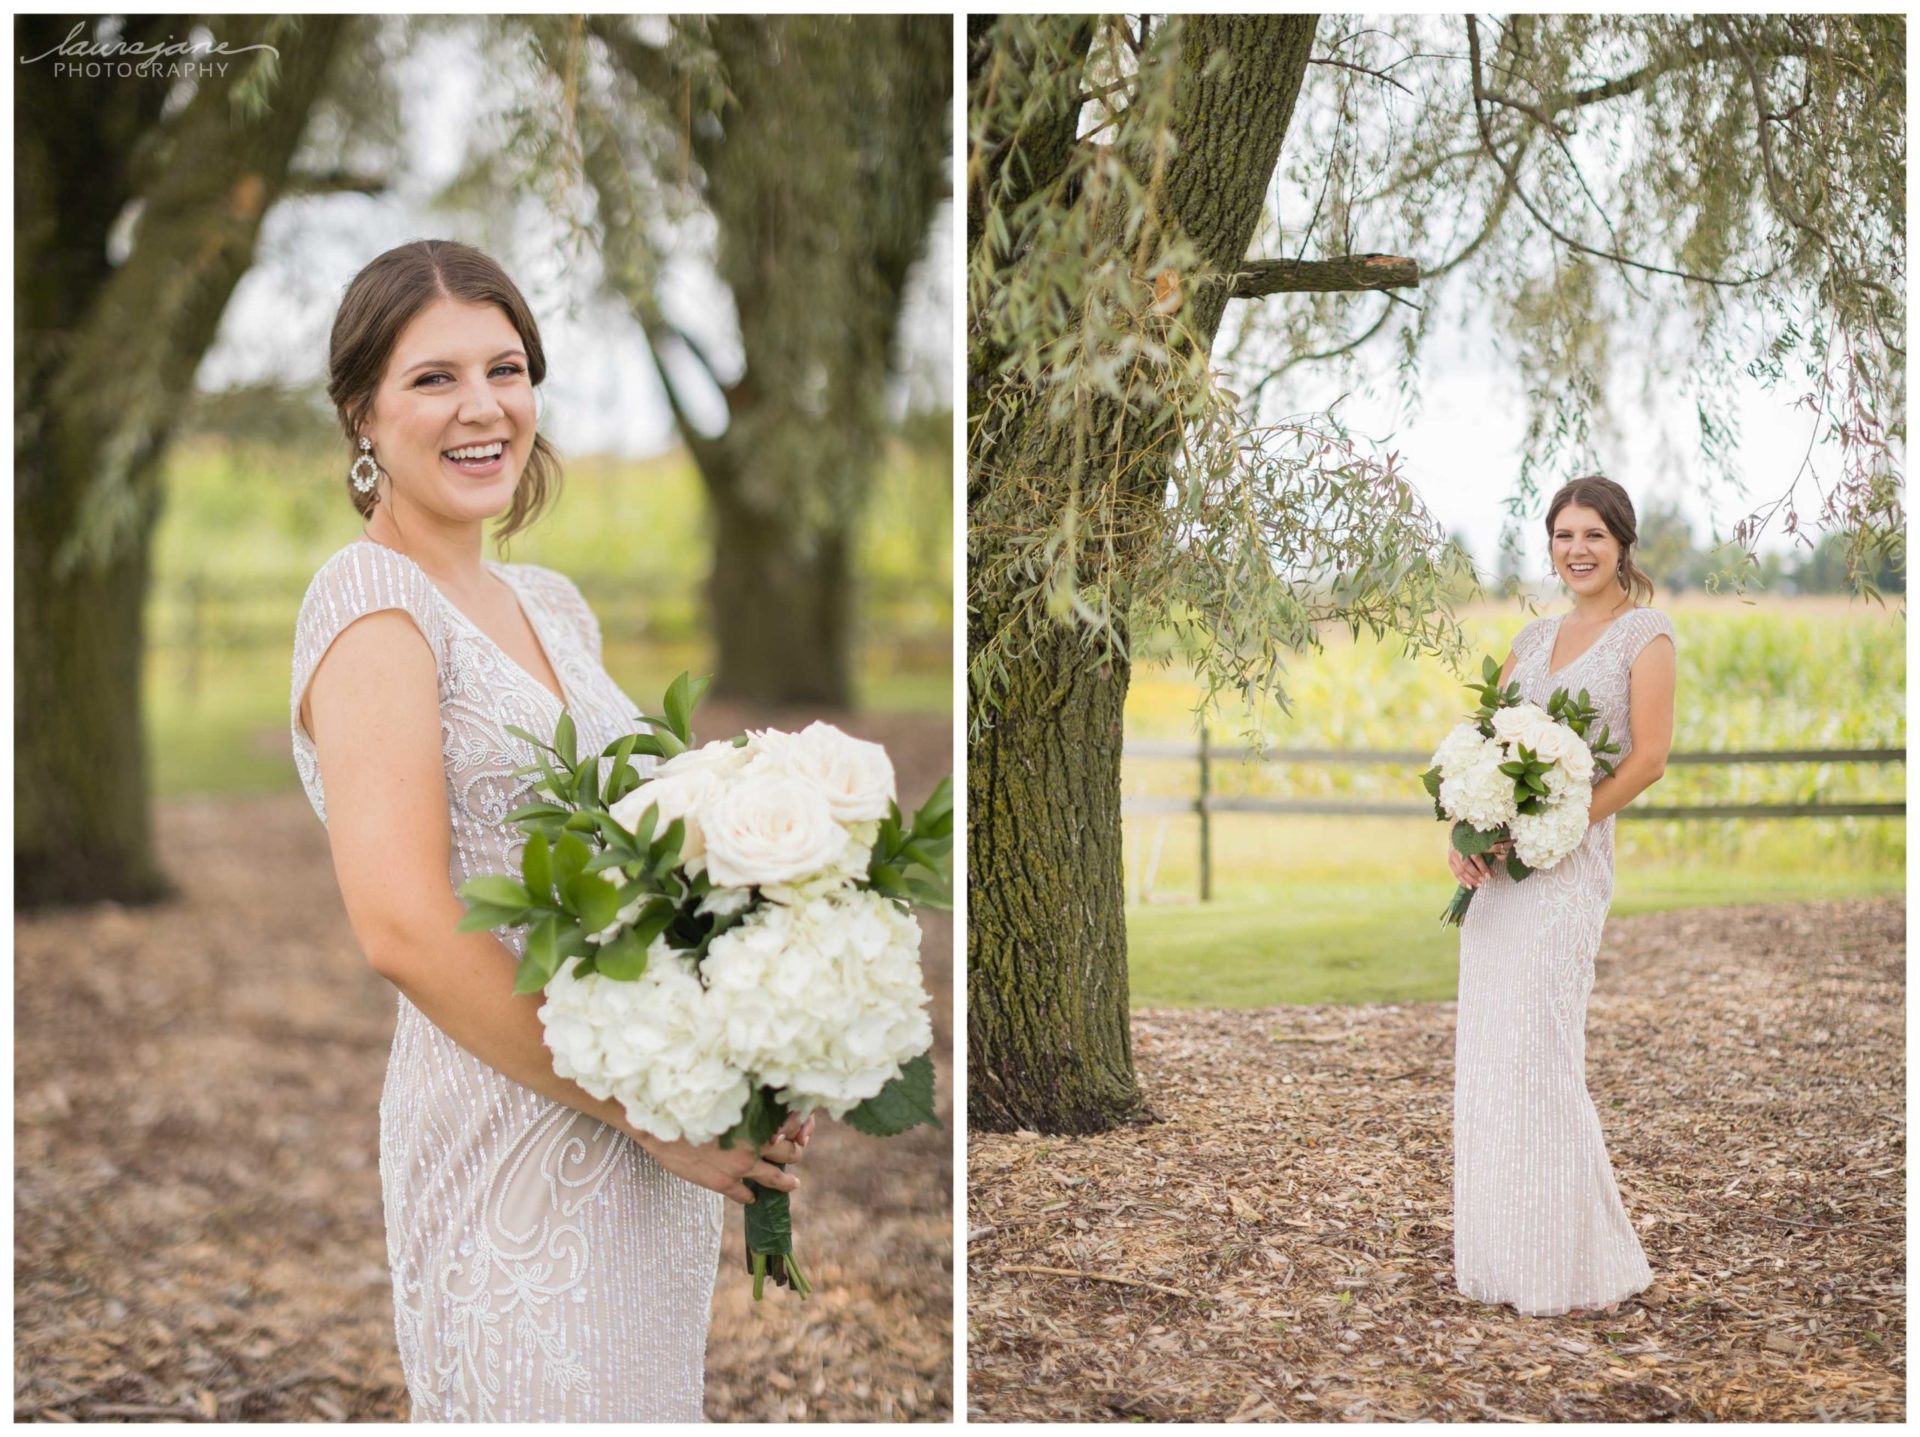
[1282, 1235]
[197, 1221]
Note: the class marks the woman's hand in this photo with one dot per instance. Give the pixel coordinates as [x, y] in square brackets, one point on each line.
[725, 1170]
[1474, 871]
[798, 1131]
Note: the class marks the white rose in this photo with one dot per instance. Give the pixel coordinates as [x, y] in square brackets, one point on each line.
[1515, 722]
[770, 830]
[685, 796]
[1554, 742]
[722, 757]
[856, 776]
[1578, 761]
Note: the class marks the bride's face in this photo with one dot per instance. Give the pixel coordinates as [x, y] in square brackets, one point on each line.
[456, 380]
[1585, 554]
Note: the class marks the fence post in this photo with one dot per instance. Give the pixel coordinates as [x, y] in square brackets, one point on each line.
[196, 619]
[1206, 821]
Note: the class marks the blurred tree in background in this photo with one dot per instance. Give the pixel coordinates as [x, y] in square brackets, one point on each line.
[816, 148]
[1727, 191]
[137, 210]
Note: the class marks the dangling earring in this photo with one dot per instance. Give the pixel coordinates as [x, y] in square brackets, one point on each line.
[365, 482]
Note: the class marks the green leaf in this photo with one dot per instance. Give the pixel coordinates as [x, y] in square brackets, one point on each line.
[1430, 780]
[497, 889]
[542, 956]
[536, 810]
[1516, 870]
[536, 866]
[559, 781]
[1471, 841]
[580, 822]
[570, 857]
[665, 852]
[521, 733]
[905, 1102]
[760, 1119]
[625, 958]
[586, 781]
[563, 740]
[928, 895]
[485, 917]
[679, 708]
[596, 901]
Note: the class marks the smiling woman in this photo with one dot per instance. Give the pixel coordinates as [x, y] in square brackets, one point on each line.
[550, 1261]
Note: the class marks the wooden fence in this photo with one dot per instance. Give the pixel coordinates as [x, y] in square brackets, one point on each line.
[196, 616]
[1206, 803]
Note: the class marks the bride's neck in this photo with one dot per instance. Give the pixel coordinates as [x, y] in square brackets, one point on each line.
[1603, 607]
[450, 553]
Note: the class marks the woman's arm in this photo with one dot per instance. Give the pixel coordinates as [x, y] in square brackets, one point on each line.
[1650, 698]
[376, 729]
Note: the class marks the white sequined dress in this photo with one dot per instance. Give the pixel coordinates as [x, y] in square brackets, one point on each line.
[1537, 1217]
[544, 1267]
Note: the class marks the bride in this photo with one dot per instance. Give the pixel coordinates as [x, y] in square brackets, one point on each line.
[1537, 1218]
[550, 1262]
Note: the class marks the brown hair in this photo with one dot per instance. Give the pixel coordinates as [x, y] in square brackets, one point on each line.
[1610, 502]
[382, 300]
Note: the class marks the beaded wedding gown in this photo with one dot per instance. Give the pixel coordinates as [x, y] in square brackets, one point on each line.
[544, 1267]
[1537, 1219]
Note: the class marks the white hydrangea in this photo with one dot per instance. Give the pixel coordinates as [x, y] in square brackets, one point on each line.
[1542, 840]
[823, 1000]
[1460, 747]
[655, 1044]
[1476, 791]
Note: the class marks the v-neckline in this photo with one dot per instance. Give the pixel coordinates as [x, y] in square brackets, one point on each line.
[499, 571]
[1598, 639]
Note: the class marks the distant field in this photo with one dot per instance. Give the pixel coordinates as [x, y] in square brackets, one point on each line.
[1312, 909]
[632, 533]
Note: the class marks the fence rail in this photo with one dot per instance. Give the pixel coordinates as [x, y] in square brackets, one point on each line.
[1205, 803]
[195, 615]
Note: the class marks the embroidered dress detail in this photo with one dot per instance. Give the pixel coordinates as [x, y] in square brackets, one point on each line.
[1537, 1217]
[544, 1267]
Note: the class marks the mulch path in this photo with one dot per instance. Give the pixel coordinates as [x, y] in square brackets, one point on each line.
[1285, 1227]
[197, 1222]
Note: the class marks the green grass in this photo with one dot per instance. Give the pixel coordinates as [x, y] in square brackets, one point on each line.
[1316, 910]
[264, 519]
[1322, 910]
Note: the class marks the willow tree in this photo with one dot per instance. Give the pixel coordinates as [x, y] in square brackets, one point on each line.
[804, 158]
[138, 199]
[1730, 187]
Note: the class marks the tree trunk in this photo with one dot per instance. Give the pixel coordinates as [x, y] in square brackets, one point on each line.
[1048, 1013]
[822, 168]
[105, 357]
[1048, 1042]
[782, 616]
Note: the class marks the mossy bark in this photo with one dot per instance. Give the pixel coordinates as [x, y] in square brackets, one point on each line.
[105, 355]
[1048, 1012]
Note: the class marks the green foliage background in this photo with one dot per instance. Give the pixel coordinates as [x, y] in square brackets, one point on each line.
[252, 519]
[1321, 909]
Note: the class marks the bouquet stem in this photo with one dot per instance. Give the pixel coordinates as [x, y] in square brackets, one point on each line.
[1456, 910]
[769, 1221]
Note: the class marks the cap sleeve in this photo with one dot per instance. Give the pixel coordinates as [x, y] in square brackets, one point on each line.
[361, 579]
[1648, 625]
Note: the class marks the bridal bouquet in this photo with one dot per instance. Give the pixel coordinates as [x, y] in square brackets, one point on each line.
[729, 940]
[1515, 771]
